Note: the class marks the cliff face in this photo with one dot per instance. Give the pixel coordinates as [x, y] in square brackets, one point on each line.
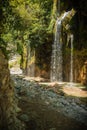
[75, 25]
[8, 103]
[78, 23]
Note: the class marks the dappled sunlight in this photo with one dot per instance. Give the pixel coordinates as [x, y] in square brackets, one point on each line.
[47, 101]
[37, 79]
[71, 89]
[16, 70]
[43, 65]
[74, 91]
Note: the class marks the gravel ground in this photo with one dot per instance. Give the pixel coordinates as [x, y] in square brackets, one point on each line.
[40, 105]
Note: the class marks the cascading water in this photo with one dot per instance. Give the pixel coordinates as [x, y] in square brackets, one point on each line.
[56, 59]
[71, 63]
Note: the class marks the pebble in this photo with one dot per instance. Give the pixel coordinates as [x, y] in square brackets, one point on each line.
[69, 106]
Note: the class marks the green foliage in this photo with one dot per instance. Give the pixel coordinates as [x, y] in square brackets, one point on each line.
[32, 22]
[26, 22]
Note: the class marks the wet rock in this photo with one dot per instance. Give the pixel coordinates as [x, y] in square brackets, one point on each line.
[69, 106]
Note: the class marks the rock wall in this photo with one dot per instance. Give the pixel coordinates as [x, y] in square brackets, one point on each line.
[8, 102]
[77, 26]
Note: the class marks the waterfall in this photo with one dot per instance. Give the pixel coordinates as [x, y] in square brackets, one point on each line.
[71, 61]
[56, 59]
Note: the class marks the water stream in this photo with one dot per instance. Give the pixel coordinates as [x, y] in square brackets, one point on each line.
[56, 58]
[56, 61]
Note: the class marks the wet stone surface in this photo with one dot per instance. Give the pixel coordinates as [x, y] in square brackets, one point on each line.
[43, 109]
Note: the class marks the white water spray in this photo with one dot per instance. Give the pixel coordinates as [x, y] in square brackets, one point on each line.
[56, 59]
